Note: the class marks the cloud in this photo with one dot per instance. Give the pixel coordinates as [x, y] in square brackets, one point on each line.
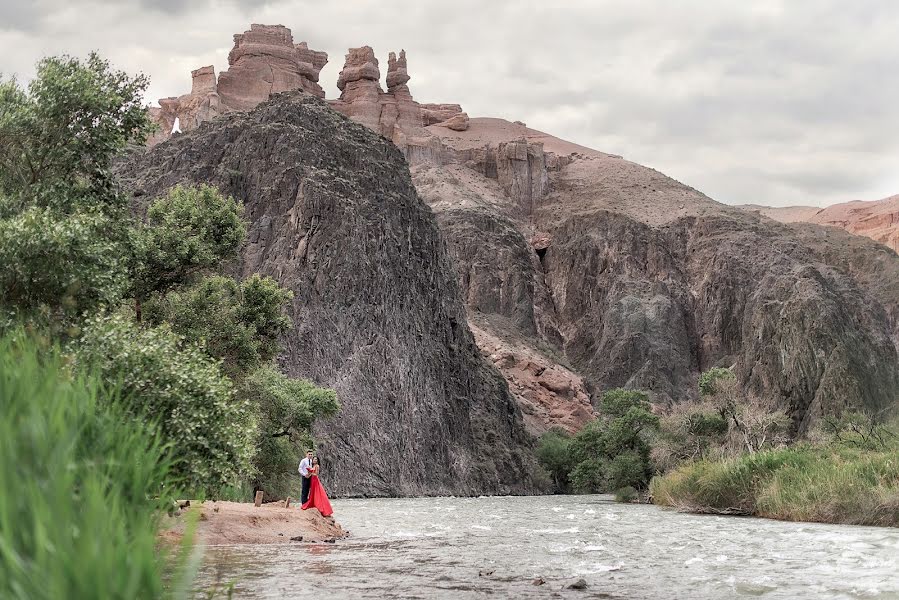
[771, 101]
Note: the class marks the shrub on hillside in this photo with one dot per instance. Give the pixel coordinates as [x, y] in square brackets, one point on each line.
[211, 430]
[608, 453]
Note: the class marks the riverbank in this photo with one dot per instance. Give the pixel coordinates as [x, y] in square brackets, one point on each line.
[503, 547]
[803, 483]
[226, 523]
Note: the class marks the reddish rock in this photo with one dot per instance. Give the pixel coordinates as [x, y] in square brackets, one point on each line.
[263, 61]
[457, 122]
[875, 219]
[397, 71]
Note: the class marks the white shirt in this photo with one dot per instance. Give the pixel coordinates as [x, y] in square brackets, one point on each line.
[305, 465]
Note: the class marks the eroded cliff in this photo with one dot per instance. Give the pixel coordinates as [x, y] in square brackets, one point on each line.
[582, 271]
[334, 217]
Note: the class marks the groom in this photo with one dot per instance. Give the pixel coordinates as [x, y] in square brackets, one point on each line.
[305, 465]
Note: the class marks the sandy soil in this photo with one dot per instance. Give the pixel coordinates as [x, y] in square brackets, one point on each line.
[243, 523]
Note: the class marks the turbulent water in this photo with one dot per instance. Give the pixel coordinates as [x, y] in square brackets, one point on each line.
[475, 547]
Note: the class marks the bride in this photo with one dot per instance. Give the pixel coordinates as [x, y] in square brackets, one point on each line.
[317, 496]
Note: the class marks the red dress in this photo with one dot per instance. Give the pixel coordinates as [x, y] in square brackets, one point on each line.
[318, 498]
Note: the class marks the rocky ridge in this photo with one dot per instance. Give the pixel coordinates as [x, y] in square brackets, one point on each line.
[378, 316]
[875, 219]
[582, 271]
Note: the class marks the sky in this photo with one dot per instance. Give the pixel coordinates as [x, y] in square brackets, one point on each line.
[769, 102]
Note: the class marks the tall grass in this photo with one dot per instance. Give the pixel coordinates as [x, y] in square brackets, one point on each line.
[78, 478]
[830, 484]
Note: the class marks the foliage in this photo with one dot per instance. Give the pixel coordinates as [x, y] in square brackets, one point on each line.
[588, 476]
[554, 455]
[825, 483]
[754, 424]
[626, 494]
[58, 138]
[688, 431]
[608, 453]
[287, 409]
[212, 430]
[57, 268]
[708, 381]
[859, 430]
[236, 322]
[77, 516]
[188, 231]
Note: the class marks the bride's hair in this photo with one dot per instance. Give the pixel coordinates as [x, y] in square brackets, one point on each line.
[315, 460]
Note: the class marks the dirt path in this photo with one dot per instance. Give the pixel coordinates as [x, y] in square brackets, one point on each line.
[243, 523]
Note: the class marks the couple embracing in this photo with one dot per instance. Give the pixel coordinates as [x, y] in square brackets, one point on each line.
[313, 493]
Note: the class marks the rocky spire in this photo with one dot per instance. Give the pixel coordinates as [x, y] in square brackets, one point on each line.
[265, 61]
[360, 66]
[397, 73]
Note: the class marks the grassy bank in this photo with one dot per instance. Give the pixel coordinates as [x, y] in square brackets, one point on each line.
[77, 514]
[828, 484]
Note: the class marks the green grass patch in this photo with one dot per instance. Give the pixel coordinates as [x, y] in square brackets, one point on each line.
[82, 485]
[828, 484]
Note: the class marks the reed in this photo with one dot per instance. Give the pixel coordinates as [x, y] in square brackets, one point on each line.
[826, 483]
[83, 484]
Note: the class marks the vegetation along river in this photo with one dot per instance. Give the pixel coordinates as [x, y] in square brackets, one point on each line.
[473, 547]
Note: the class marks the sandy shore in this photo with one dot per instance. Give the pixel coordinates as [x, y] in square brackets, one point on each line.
[243, 523]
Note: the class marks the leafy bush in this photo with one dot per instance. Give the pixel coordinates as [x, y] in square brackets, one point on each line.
[237, 322]
[287, 408]
[212, 430]
[554, 454]
[187, 231]
[57, 267]
[589, 476]
[708, 381]
[688, 432]
[626, 494]
[77, 516]
[608, 453]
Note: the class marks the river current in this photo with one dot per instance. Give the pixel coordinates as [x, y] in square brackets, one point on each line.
[479, 547]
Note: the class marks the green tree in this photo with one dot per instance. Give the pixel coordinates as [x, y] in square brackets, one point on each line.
[56, 269]
[710, 380]
[58, 138]
[554, 454]
[187, 232]
[212, 430]
[611, 452]
[287, 409]
[236, 322]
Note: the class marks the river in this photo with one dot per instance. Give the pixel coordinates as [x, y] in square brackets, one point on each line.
[476, 547]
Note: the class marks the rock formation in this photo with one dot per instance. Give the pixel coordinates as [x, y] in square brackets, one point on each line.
[582, 271]
[394, 114]
[876, 219]
[632, 279]
[377, 312]
[264, 61]
[360, 92]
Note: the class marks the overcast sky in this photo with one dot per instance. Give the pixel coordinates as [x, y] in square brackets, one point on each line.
[773, 102]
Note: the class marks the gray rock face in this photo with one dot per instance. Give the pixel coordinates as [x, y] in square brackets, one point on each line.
[635, 280]
[378, 314]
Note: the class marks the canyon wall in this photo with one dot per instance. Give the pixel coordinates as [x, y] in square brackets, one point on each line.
[581, 271]
[377, 310]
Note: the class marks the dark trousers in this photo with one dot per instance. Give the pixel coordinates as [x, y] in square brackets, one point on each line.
[304, 494]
